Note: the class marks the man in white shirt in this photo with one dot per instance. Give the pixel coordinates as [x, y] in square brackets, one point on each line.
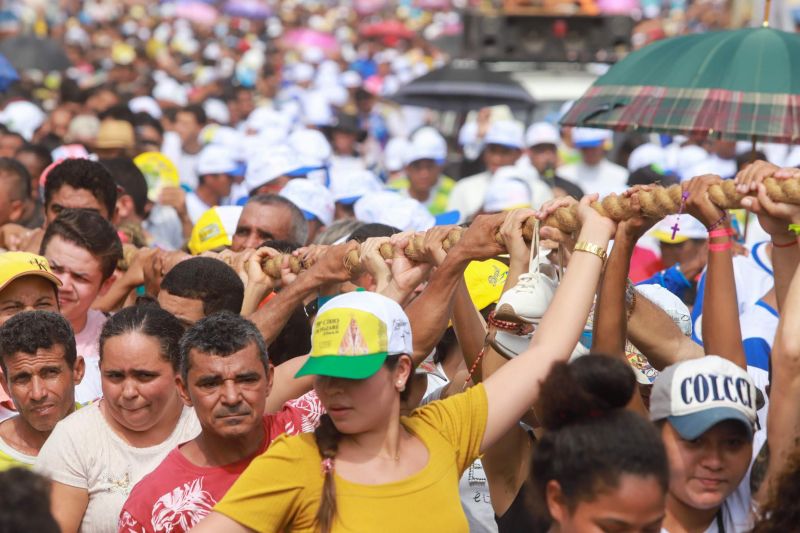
[595, 173]
[503, 143]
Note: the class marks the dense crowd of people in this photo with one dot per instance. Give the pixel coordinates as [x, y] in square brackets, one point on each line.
[243, 290]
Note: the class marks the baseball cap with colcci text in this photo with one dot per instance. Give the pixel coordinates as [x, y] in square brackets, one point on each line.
[697, 394]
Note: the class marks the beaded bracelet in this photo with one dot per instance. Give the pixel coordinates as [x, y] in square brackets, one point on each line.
[719, 222]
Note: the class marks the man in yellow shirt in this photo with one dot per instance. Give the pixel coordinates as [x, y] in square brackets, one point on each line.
[41, 368]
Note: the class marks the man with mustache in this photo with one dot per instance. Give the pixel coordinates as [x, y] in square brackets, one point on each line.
[226, 376]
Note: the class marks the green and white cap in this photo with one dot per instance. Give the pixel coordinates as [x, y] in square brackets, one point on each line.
[354, 333]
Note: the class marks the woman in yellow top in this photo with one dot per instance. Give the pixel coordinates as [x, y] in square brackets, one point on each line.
[369, 469]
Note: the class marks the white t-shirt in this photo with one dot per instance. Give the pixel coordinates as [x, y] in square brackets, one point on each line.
[604, 178]
[87, 345]
[84, 452]
[13, 454]
[195, 207]
[469, 193]
[759, 323]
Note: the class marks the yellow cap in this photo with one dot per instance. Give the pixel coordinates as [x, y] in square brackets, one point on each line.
[14, 265]
[485, 281]
[214, 229]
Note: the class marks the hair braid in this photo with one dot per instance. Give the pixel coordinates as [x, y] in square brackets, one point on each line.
[327, 437]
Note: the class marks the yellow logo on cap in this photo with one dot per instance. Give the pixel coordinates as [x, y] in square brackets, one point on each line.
[348, 332]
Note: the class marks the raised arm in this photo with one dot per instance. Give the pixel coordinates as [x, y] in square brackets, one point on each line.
[610, 316]
[774, 218]
[783, 428]
[722, 334]
[513, 388]
[430, 312]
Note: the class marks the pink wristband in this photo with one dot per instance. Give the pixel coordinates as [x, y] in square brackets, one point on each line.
[722, 232]
[720, 247]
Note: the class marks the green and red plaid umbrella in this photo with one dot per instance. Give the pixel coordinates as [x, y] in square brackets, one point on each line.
[736, 84]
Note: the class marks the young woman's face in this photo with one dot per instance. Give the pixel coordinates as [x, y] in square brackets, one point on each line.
[635, 505]
[362, 405]
[705, 471]
[138, 384]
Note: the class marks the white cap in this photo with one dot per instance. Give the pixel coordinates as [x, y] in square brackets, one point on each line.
[671, 304]
[316, 109]
[394, 155]
[393, 209]
[506, 133]
[508, 190]
[22, 117]
[313, 55]
[645, 155]
[697, 394]
[217, 111]
[590, 137]
[169, 90]
[302, 73]
[688, 158]
[267, 118]
[269, 165]
[311, 146]
[351, 79]
[688, 228]
[542, 133]
[348, 183]
[216, 159]
[145, 104]
[427, 143]
[313, 199]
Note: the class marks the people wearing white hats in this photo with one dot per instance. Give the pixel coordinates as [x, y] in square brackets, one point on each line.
[503, 145]
[348, 184]
[594, 173]
[423, 164]
[22, 117]
[216, 170]
[313, 152]
[314, 200]
[270, 170]
[645, 155]
[394, 157]
[401, 212]
[509, 191]
[542, 140]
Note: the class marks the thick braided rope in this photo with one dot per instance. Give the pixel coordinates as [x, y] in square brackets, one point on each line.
[656, 203]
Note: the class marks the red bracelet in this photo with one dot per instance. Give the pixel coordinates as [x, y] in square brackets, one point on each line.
[786, 245]
[722, 232]
[720, 247]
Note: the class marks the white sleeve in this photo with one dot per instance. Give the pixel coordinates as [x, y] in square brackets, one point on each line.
[62, 458]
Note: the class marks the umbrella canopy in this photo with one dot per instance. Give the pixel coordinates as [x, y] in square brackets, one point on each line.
[463, 86]
[387, 29]
[306, 38]
[8, 74]
[729, 84]
[250, 9]
[27, 52]
[197, 12]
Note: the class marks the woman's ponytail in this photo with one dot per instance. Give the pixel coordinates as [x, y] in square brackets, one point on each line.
[327, 437]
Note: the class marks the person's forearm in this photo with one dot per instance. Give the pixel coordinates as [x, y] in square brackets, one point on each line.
[469, 327]
[784, 263]
[429, 313]
[254, 294]
[609, 313]
[721, 332]
[274, 315]
[115, 297]
[657, 336]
